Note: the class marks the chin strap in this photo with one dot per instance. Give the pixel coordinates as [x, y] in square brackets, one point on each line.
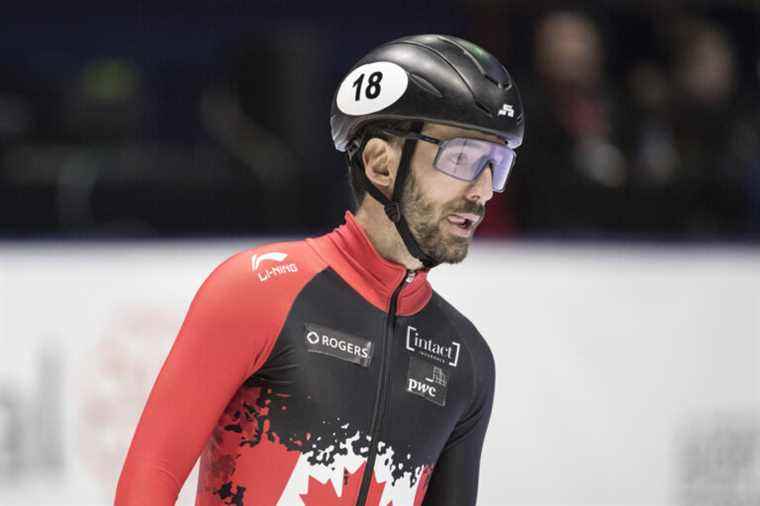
[393, 205]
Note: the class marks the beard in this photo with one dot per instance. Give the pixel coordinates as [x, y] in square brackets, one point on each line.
[426, 222]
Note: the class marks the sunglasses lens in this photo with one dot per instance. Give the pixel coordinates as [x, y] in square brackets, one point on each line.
[465, 159]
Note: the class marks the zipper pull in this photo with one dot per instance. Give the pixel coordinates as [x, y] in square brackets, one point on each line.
[410, 276]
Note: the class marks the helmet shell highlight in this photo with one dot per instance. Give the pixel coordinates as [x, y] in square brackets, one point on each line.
[448, 80]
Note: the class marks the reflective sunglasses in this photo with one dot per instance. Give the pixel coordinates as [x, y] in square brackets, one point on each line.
[464, 158]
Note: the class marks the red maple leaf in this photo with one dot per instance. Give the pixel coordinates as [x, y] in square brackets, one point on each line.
[325, 495]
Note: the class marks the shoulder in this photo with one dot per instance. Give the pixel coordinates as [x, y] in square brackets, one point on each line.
[482, 367]
[270, 255]
[462, 325]
[281, 268]
[244, 303]
[281, 257]
[466, 331]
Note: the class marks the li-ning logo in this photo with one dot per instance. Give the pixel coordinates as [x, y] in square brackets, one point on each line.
[506, 110]
[426, 347]
[275, 271]
[274, 256]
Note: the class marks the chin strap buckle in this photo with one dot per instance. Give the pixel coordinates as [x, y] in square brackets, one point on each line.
[393, 211]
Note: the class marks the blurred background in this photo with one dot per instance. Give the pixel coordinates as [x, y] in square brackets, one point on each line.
[142, 145]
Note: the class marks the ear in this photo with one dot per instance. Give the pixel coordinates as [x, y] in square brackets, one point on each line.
[380, 164]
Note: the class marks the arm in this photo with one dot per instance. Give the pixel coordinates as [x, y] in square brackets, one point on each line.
[455, 478]
[218, 346]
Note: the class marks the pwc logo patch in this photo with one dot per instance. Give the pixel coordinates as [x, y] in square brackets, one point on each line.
[427, 380]
[327, 341]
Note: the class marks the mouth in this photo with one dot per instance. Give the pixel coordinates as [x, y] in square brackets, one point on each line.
[464, 223]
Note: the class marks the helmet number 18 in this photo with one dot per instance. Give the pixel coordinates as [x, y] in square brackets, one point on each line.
[373, 85]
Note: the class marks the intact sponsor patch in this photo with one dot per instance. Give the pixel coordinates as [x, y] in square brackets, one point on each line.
[327, 341]
[444, 353]
[427, 380]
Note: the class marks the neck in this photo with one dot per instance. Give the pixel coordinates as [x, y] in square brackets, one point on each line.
[383, 235]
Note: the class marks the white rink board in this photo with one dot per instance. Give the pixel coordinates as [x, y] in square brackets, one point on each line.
[610, 361]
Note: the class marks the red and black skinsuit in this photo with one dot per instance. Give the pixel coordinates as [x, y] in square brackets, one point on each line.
[316, 372]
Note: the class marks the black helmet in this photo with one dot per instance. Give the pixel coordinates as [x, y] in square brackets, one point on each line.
[423, 78]
[434, 78]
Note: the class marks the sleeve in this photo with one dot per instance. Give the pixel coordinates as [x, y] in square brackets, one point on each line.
[221, 342]
[454, 481]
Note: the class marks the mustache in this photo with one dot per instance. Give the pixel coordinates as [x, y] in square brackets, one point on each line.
[471, 207]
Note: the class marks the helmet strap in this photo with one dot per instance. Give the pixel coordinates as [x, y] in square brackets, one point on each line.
[392, 206]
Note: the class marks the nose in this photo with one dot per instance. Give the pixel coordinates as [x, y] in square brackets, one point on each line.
[481, 190]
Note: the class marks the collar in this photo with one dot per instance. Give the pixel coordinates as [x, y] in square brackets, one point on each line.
[349, 252]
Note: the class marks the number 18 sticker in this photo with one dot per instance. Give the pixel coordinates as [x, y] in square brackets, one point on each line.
[371, 88]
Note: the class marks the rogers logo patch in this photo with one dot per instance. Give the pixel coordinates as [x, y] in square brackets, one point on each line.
[337, 344]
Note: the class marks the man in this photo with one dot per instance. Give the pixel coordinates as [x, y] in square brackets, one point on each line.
[327, 371]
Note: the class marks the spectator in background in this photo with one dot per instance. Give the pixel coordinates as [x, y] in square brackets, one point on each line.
[655, 204]
[676, 157]
[693, 139]
[712, 129]
[575, 173]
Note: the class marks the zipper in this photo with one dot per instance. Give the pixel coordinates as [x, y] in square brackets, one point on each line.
[382, 386]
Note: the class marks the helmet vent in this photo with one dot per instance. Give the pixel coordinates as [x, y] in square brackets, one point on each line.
[477, 64]
[505, 85]
[508, 83]
[497, 83]
[425, 85]
[466, 53]
[485, 109]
